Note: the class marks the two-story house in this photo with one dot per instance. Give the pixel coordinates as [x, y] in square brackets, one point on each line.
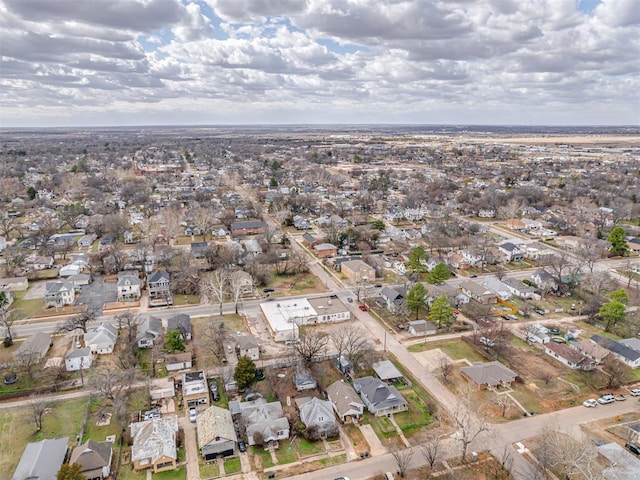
[128, 287]
[159, 286]
[59, 294]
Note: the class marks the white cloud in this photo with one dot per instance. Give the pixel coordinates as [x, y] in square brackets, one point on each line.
[349, 60]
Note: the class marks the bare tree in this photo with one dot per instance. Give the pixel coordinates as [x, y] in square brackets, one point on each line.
[469, 424]
[403, 459]
[39, 406]
[111, 383]
[562, 453]
[78, 321]
[445, 367]
[432, 450]
[214, 286]
[240, 282]
[213, 337]
[129, 322]
[352, 341]
[311, 343]
[615, 370]
[8, 317]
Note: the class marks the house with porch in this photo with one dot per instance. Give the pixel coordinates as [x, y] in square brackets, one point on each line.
[128, 286]
[216, 433]
[59, 293]
[265, 421]
[489, 375]
[318, 414]
[345, 401]
[381, 399]
[159, 287]
[94, 459]
[154, 444]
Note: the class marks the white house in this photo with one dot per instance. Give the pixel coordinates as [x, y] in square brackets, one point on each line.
[77, 359]
[101, 340]
[128, 287]
[59, 294]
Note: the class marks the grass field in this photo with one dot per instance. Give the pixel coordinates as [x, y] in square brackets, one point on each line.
[209, 470]
[232, 465]
[456, 349]
[186, 300]
[17, 429]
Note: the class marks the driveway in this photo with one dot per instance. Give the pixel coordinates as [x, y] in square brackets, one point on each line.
[190, 446]
[375, 446]
[97, 293]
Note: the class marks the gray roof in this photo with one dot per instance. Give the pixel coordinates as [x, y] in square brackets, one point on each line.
[391, 293]
[129, 279]
[490, 373]
[104, 335]
[263, 417]
[633, 343]
[422, 326]
[151, 327]
[624, 465]
[214, 422]
[386, 370]
[157, 276]
[247, 342]
[181, 322]
[38, 343]
[248, 224]
[92, 455]
[344, 397]
[315, 408]
[52, 288]
[41, 460]
[616, 347]
[377, 393]
[154, 439]
[78, 353]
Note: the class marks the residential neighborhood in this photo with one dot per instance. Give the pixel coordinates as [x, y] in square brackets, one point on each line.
[264, 305]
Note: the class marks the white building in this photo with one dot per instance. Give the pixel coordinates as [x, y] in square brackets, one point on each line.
[78, 359]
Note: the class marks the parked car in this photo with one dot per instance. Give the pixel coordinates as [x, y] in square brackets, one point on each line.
[605, 399]
[268, 290]
[362, 307]
[554, 330]
[378, 285]
[590, 403]
[539, 311]
[192, 415]
[635, 392]
[260, 375]
[487, 341]
[242, 446]
[213, 386]
[216, 396]
[349, 299]
[10, 379]
[620, 397]
[633, 448]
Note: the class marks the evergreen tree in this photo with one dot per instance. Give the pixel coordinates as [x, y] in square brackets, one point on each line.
[417, 256]
[70, 471]
[441, 312]
[417, 298]
[245, 373]
[173, 342]
[439, 274]
[617, 241]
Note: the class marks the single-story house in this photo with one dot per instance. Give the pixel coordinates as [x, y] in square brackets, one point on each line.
[177, 361]
[625, 354]
[381, 399]
[262, 419]
[519, 288]
[37, 345]
[149, 331]
[162, 388]
[303, 379]
[87, 240]
[69, 270]
[94, 459]
[216, 433]
[102, 340]
[537, 334]
[154, 444]
[180, 322]
[194, 388]
[41, 460]
[324, 250]
[392, 298]
[249, 227]
[318, 414]
[14, 284]
[387, 371]
[421, 328]
[489, 375]
[77, 359]
[477, 292]
[569, 356]
[345, 401]
[591, 349]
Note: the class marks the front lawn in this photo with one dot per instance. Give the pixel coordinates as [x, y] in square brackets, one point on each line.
[261, 458]
[209, 470]
[179, 474]
[306, 448]
[232, 465]
[416, 417]
[186, 300]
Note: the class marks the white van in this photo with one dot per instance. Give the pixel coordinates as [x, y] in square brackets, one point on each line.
[388, 476]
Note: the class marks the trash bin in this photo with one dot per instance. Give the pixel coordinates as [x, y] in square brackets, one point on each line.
[474, 456]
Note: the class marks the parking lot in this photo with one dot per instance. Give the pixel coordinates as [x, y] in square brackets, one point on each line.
[97, 293]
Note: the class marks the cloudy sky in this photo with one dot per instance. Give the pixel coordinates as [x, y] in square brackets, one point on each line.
[151, 62]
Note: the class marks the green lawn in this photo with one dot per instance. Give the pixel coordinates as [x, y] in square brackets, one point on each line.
[232, 465]
[416, 417]
[286, 454]
[99, 433]
[263, 458]
[306, 448]
[380, 426]
[209, 470]
[17, 428]
[178, 474]
[457, 349]
[186, 300]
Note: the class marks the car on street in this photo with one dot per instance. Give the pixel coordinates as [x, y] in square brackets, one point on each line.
[242, 446]
[620, 397]
[635, 392]
[192, 415]
[590, 403]
[362, 307]
[268, 290]
[554, 330]
[633, 447]
[342, 478]
[378, 285]
[473, 276]
[606, 398]
[349, 299]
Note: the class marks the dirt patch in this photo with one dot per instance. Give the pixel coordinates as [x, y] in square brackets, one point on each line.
[530, 365]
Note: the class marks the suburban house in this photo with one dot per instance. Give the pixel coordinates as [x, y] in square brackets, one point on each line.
[511, 251]
[87, 240]
[177, 361]
[303, 379]
[159, 286]
[243, 281]
[41, 460]
[265, 422]
[309, 240]
[248, 346]
[162, 388]
[519, 289]
[194, 388]
[357, 270]
[591, 349]
[478, 292]
[421, 328]
[537, 334]
[36, 346]
[318, 414]
[344, 365]
[59, 294]
[69, 270]
[154, 444]
[495, 285]
[102, 340]
[148, 331]
[180, 322]
[569, 356]
[14, 284]
[248, 227]
[216, 433]
[345, 401]
[544, 280]
[392, 298]
[42, 263]
[387, 371]
[324, 250]
[625, 354]
[128, 287]
[381, 399]
[199, 249]
[94, 459]
[77, 359]
[490, 375]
